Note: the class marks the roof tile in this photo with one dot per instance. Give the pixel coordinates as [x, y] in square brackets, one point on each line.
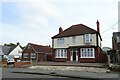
[74, 30]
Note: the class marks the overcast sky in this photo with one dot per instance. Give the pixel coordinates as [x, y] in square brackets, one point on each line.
[36, 21]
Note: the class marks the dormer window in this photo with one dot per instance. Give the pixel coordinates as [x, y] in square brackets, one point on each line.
[87, 38]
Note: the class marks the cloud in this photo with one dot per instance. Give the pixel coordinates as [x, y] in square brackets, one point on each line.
[13, 33]
[42, 7]
[34, 21]
[40, 19]
[34, 24]
[38, 13]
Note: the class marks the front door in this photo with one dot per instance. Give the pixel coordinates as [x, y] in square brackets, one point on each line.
[73, 55]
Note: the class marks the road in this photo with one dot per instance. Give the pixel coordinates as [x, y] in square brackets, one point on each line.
[7, 74]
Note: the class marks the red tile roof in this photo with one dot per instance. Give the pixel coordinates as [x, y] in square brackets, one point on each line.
[41, 48]
[75, 30]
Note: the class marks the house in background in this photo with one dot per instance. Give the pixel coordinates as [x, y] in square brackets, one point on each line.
[11, 52]
[36, 53]
[106, 49]
[116, 45]
[14, 52]
[1, 54]
[4, 50]
[78, 43]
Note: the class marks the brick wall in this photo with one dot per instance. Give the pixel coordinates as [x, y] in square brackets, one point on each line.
[19, 64]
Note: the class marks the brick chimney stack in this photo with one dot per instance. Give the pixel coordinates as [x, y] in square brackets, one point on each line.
[98, 26]
[60, 30]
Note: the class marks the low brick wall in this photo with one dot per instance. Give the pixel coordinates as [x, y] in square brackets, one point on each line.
[19, 64]
[3, 62]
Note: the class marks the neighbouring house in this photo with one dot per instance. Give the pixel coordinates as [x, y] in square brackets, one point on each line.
[106, 49]
[109, 51]
[1, 54]
[36, 53]
[14, 52]
[4, 50]
[78, 43]
[116, 45]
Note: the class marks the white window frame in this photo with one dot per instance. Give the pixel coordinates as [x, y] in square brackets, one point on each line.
[88, 38]
[74, 39]
[86, 52]
[61, 53]
[25, 55]
[60, 41]
[33, 55]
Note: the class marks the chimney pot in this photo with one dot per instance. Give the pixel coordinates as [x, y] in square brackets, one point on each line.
[18, 43]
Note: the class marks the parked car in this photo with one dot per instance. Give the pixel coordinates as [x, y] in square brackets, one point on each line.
[10, 61]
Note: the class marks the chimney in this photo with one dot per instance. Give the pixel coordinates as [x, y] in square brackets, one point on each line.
[18, 43]
[98, 26]
[60, 30]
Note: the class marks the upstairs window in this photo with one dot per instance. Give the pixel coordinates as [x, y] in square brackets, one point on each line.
[73, 39]
[87, 38]
[61, 41]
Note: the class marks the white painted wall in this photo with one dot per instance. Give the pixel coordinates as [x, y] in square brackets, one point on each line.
[79, 42]
[16, 52]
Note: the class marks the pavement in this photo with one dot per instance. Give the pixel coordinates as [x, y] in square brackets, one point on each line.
[70, 74]
[48, 63]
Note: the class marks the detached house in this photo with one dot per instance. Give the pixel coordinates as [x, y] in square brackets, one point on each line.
[36, 53]
[78, 43]
[15, 52]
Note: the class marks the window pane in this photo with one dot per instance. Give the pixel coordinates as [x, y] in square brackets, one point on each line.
[65, 53]
[87, 52]
[92, 53]
[74, 39]
[87, 38]
[33, 55]
[90, 38]
[61, 53]
[58, 53]
[25, 55]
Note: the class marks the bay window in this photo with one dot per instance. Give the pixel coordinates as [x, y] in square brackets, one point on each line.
[61, 53]
[87, 52]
